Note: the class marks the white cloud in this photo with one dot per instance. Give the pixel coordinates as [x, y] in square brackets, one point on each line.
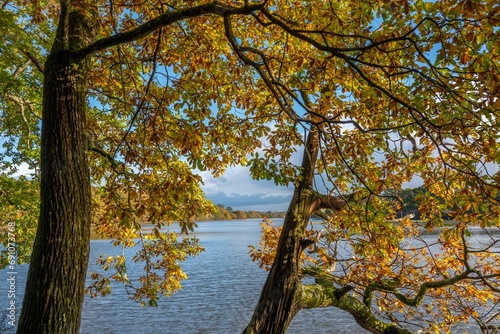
[237, 189]
[23, 169]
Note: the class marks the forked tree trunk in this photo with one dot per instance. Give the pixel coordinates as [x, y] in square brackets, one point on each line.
[280, 298]
[56, 279]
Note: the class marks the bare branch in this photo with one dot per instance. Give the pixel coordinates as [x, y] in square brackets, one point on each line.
[21, 103]
[114, 163]
[146, 92]
[422, 291]
[20, 69]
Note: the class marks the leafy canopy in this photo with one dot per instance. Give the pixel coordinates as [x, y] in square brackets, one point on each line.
[398, 90]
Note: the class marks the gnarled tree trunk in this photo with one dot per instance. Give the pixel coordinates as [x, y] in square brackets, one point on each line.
[283, 294]
[56, 279]
[280, 298]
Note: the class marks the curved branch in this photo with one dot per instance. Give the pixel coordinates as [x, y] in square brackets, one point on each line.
[21, 103]
[324, 294]
[389, 287]
[162, 21]
[114, 163]
[20, 69]
[34, 60]
[317, 295]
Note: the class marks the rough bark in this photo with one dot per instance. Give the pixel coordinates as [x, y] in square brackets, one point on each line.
[280, 298]
[55, 285]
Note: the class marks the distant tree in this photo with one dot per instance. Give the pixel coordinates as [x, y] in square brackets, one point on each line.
[240, 214]
[407, 199]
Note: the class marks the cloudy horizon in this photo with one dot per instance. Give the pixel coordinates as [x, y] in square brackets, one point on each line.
[236, 189]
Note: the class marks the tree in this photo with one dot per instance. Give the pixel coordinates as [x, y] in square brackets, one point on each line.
[124, 112]
[408, 89]
[240, 214]
[136, 94]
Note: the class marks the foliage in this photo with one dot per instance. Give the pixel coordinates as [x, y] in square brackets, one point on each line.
[402, 91]
[395, 90]
[20, 103]
[161, 254]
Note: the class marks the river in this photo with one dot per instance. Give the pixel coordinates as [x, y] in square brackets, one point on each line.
[219, 296]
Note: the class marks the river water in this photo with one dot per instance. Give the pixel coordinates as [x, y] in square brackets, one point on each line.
[219, 296]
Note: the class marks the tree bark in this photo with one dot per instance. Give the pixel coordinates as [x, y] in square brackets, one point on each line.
[324, 294]
[56, 278]
[281, 295]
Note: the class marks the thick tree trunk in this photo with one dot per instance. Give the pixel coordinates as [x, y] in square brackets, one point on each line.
[56, 279]
[281, 295]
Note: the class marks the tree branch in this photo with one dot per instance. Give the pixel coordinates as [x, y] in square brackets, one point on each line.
[20, 69]
[324, 294]
[266, 75]
[114, 164]
[21, 103]
[146, 92]
[34, 60]
[422, 291]
[162, 21]
[334, 202]
[331, 202]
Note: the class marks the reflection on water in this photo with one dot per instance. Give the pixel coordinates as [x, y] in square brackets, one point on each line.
[219, 296]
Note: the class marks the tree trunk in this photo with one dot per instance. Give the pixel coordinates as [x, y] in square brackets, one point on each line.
[280, 298]
[56, 279]
[281, 295]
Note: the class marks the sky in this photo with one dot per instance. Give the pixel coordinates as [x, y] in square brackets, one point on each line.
[237, 189]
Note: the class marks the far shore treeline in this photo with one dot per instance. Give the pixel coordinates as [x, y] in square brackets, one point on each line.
[227, 213]
[407, 199]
